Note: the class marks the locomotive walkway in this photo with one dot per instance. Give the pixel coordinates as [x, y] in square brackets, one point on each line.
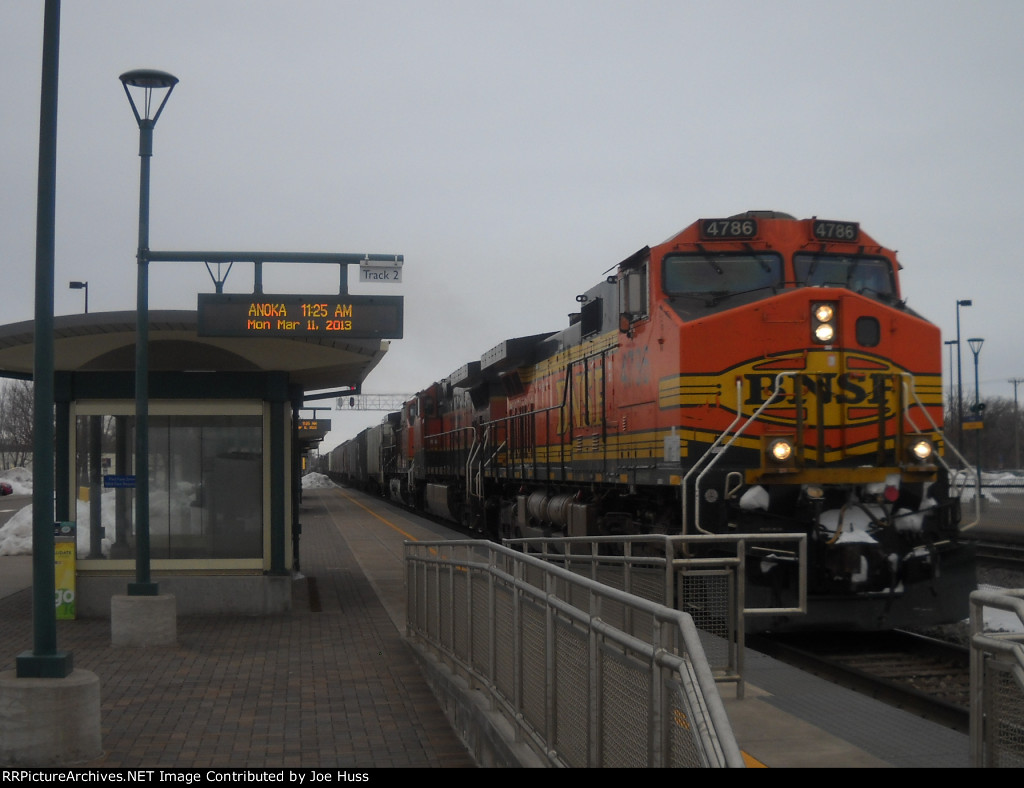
[334, 684]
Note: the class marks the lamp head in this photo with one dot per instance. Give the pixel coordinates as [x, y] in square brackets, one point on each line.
[975, 343]
[147, 80]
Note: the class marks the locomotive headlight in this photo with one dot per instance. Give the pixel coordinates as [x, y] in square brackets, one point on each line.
[780, 453]
[823, 313]
[781, 449]
[823, 323]
[921, 448]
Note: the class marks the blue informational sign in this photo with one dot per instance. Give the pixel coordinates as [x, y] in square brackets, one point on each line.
[111, 481]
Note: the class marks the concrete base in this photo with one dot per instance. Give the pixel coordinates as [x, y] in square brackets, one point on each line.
[49, 722]
[143, 620]
[195, 595]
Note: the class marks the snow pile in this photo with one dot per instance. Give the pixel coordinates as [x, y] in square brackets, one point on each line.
[20, 480]
[316, 481]
[16, 534]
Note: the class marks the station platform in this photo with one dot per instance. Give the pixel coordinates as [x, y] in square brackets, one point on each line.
[334, 683]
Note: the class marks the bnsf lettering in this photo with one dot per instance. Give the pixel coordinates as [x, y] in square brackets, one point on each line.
[847, 388]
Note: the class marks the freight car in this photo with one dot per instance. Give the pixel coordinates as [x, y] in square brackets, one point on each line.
[751, 374]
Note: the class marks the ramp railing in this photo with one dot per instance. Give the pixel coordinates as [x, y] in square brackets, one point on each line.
[997, 679]
[577, 688]
[704, 576]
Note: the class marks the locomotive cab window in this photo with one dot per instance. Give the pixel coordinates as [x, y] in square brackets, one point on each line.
[633, 293]
[870, 276]
[717, 277]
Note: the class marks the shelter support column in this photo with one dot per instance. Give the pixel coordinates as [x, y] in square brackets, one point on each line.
[278, 487]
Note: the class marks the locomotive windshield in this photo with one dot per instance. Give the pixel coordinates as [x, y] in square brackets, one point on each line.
[715, 277]
[871, 276]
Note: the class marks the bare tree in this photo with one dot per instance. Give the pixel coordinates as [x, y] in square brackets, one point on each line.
[16, 409]
[998, 438]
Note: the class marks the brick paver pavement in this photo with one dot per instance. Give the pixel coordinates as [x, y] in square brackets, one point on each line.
[333, 687]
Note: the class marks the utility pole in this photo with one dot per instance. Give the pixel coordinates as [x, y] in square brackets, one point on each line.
[1016, 428]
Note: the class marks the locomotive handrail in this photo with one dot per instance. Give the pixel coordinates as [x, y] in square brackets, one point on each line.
[484, 462]
[475, 448]
[693, 468]
[511, 417]
[909, 391]
[470, 450]
[732, 440]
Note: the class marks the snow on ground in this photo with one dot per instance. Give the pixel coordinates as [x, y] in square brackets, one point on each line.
[20, 480]
[16, 534]
[313, 481]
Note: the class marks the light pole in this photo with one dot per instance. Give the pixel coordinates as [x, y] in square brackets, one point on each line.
[1016, 424]
[81, 286]
[959, 376]
[976, 343]
[146, 81]
[44, 660]
[949, 343]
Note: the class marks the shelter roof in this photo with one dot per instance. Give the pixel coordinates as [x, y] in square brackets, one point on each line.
[105, 342]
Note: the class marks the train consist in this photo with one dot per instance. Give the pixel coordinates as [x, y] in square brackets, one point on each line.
[752, 374]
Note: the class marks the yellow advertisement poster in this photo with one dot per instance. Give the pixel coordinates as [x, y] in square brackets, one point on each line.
[64, 572]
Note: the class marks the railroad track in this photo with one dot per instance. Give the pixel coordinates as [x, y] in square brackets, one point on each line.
[924, 676]
[1006, 555]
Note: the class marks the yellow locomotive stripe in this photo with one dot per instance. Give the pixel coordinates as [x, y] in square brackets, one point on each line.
[650, 445]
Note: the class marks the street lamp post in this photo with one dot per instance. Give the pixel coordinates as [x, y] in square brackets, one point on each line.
[949, 343]
[959, 376]
[44, 660]
[81, 286]
[976, 343]
[146, 81]
[1016, 424]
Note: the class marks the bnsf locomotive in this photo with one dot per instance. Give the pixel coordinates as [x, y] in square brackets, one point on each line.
[752, 374]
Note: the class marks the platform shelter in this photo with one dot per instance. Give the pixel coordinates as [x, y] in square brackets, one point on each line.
[224, 452]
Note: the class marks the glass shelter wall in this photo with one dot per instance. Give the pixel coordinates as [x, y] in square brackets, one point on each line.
[206, 481]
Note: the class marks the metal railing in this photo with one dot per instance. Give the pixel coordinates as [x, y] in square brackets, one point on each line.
[704, 576]
[997, 681]
[588, 675]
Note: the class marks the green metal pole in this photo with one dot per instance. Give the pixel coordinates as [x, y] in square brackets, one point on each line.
[45, 661]
[978, 416]
[143, 585]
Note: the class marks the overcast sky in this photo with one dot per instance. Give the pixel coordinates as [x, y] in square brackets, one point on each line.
[514, 151]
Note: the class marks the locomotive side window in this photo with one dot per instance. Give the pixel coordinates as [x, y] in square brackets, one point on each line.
[871, 276]
[719, 276]
[633, 293]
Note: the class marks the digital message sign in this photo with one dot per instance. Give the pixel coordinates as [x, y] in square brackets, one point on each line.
[263, 315]
[312, 429]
